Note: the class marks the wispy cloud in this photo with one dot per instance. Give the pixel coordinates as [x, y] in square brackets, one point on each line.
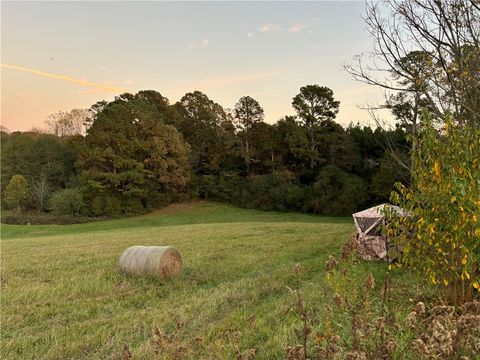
[250, 34]
[92, 91]
[108, 82]
[296, 28]
[270, 28]
[82, 82]
[203, 43]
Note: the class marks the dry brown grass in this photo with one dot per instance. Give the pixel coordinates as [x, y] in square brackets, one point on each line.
[178, 208]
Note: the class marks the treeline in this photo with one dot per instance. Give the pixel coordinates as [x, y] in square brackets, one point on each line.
[140, 152]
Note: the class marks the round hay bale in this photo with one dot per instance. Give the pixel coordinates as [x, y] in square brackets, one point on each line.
[159, 261]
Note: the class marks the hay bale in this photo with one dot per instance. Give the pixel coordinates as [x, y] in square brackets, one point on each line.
[159, 261]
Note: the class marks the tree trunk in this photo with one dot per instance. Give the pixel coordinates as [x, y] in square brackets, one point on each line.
[247, 156]
[313, 146]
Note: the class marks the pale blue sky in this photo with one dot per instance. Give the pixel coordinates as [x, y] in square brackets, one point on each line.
[226, 49]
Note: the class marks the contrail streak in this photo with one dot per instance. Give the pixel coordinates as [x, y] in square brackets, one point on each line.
[81, 82]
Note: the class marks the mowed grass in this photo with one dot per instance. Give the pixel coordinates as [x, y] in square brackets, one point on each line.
[63, 296]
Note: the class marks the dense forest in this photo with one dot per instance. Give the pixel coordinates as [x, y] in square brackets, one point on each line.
[139, 152]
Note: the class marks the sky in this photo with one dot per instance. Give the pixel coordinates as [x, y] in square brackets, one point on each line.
[57, 56]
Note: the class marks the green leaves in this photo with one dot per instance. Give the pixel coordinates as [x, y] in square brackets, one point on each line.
[440, 237]
[16, 192]
[131, 157]
[315, 104]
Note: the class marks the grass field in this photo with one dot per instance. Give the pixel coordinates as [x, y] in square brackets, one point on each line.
[64, 298]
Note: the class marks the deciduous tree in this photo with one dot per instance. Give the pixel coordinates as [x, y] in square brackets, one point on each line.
[440, 237]
[45, 160]
[248, 113]
[208, 129]
[16, 192]
[68, 123]
[443, 35]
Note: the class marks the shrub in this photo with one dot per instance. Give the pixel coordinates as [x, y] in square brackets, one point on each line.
[337, 193]
[42, 218]
[68, 202]
[132, 205]
[15, 192]
[104, 205]
[382, 183]
[441, 237]
[204, 186]
[295, 197]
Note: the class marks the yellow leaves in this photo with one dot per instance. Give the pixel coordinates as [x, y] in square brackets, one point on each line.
[476, 285]
[436, 168]
[445, 205]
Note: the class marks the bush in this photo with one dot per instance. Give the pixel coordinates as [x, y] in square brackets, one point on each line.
[132, 205]
[68, 202]
[382, 183]
[204, 186]
[42, 218]
[441, 235]
[15, 192]
[104, 205]
[337, 193]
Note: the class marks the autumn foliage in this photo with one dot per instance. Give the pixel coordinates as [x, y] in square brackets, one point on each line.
[441, 235]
